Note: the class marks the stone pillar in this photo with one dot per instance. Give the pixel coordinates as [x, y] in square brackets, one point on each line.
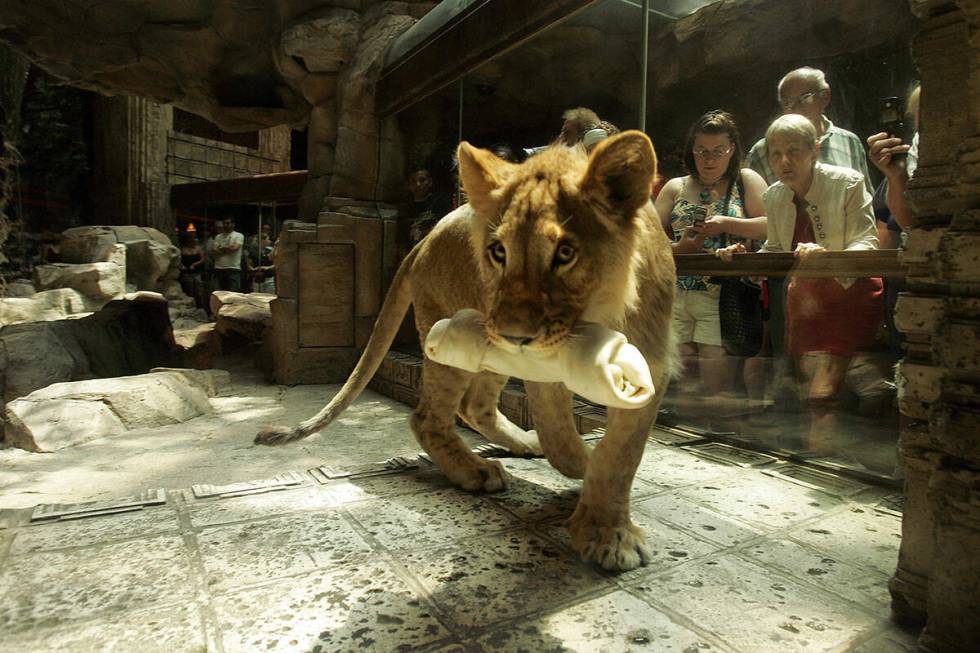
[130, 145]
[938, 574]
[329, 278]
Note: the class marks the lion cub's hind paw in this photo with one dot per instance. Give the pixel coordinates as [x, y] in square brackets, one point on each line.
[275, 435]
[527, 445]
[614, 548]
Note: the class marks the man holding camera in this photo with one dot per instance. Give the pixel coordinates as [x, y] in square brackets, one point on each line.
[805, 91]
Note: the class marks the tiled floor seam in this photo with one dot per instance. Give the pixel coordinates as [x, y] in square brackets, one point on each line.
[846, 504]
[198, 572]
[682, 620]
[477, 632]
[784, 533]
[800, 580]
[405, 574]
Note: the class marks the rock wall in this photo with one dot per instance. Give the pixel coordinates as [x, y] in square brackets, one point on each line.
[938, 575]
[128, 336]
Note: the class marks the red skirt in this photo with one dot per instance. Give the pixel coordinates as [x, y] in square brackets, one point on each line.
[822, 315]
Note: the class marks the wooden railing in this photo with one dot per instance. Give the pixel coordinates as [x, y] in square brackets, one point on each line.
[871, 263]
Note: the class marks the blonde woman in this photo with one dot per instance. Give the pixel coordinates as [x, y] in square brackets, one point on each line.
[817, 207]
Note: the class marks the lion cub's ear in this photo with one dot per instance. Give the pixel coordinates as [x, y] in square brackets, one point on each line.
[482, 173]
[621, 172]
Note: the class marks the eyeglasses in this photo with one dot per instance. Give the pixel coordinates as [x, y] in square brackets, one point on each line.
[806, 98]
[716, 153]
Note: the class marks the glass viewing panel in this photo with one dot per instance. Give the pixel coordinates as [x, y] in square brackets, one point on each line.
[820, 384]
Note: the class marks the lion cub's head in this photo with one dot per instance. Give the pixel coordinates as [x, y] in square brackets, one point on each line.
[556, 236]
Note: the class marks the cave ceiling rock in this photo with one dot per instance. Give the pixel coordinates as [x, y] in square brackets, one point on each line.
[243, 64]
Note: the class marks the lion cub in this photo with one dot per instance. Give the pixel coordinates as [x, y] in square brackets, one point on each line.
[560, 238]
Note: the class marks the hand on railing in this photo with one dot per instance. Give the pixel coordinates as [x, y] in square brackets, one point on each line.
[803, 251]
[726, 253]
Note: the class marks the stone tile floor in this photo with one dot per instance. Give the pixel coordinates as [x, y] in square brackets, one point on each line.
[743, 562]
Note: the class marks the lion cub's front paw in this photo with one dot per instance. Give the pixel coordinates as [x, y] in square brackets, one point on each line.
[616, 548]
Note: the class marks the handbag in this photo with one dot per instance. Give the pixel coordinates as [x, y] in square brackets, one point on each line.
[740, 313]
[739, 307]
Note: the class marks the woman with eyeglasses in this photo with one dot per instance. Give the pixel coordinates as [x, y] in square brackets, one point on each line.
[716, 204]
[816, 207]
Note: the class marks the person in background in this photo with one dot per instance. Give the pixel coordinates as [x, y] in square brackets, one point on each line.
[577, 122]
[805, 92]
[504, 151]
[192, 268]
[226, 250]
[259, 263]
[717, 203]
[816, 207]
[898, 161]
[424, 209]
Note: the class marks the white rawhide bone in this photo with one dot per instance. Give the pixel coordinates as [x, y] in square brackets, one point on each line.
[596, 363]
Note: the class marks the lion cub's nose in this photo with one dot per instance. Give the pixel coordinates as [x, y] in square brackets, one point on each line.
[517, 340]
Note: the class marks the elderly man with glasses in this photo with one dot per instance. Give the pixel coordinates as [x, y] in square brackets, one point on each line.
[805, 91]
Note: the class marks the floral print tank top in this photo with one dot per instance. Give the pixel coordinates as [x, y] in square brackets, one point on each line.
[682, 216]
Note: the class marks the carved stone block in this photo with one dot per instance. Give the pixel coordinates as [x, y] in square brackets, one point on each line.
[954, 582]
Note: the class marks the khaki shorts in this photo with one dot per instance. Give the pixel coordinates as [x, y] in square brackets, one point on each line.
[696, 316]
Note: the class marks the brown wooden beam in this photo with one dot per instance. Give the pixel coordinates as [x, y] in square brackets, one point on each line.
[481, 32]
[871, 263]
[280, 187]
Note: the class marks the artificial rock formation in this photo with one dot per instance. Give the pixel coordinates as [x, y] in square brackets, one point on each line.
[66, 414]
[44, 306]
[128, 336]
[245, 314]
[152, 262]
[99, 282]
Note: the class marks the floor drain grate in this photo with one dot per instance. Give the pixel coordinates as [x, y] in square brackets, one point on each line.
[65, 511]
[674, 437]
[325, 473]
[723, 453]
[815, 479]
[594, 435]
[280, 482]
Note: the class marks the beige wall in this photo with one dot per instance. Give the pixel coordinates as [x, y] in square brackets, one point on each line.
[192, 158]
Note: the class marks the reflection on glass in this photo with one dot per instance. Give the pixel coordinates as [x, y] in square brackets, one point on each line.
[809, 371]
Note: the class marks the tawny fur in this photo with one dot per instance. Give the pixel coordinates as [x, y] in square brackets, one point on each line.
[561, 238]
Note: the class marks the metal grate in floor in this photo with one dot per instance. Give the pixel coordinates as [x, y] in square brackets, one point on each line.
[674, 437]
[723, 453]
[326, 473]
[815, 479]
[279, 482]
[65, 511]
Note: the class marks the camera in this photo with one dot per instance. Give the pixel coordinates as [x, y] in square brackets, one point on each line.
[890, 119]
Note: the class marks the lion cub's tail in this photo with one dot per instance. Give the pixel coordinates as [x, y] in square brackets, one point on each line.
[389, 320]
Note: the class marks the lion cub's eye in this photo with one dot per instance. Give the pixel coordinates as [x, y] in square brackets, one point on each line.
[565, 254]
[497, 252]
